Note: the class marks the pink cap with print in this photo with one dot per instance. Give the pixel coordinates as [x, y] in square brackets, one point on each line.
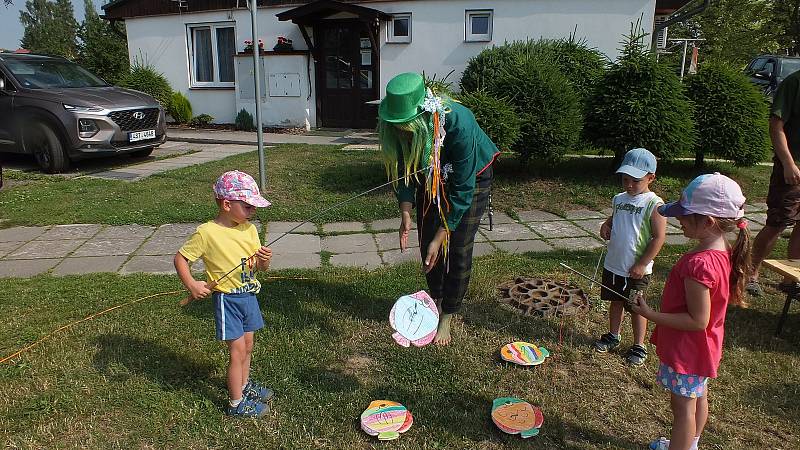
[235, 185]
[712, 195]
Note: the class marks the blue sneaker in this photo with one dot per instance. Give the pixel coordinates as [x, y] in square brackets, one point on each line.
[255, 391]
[247, 408]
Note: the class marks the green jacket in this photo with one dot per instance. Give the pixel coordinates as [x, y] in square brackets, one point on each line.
[469, 150]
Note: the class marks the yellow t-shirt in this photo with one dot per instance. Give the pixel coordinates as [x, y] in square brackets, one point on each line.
[221, 249]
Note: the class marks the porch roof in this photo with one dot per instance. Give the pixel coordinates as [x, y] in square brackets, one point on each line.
[312, 12]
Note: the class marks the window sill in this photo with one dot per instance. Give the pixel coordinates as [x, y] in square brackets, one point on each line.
[478, 40]
[212, 88]
[398, 42]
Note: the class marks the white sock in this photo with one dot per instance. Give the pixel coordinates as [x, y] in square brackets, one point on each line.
[616, 336]
[695, 441]
[234, 403]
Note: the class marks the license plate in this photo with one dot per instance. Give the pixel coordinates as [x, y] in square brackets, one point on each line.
[141, 135]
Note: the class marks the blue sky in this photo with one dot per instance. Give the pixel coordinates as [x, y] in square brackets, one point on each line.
[11, 30]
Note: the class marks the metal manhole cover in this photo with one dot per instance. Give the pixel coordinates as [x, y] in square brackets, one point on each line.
[536, 296]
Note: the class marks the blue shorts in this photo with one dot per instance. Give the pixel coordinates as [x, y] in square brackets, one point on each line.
[689, 386]
[236, 314]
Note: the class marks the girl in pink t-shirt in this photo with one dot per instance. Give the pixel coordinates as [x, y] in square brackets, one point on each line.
[690, 324]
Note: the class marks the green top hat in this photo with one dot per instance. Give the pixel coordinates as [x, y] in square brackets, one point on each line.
[404, 96]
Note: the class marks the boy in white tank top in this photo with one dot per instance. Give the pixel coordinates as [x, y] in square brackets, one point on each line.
[635, 234]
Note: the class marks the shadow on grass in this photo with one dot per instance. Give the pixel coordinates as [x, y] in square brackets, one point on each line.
[754, 328]
[121, 357]
[780, 399]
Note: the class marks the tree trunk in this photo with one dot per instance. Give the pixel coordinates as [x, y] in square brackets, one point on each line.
[699, 159]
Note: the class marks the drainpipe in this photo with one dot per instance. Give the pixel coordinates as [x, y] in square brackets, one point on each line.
[682, 14]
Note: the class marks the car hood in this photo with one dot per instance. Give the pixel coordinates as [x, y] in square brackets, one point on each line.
[109, 97]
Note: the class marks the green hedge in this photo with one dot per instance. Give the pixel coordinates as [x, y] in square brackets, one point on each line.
[496, 116]
[731, 114]
[179, 108]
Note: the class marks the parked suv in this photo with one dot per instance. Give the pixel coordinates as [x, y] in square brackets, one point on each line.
[58, 111]
[768, 71]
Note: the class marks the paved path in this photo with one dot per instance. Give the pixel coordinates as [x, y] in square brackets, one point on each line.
[90, 248]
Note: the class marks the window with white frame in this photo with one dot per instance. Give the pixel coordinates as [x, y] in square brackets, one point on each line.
[211, 51]
[399, 28]
[478, 25]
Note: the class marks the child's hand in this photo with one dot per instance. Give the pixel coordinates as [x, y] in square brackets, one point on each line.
[405, 228]
[263, 256]
[639, 306]
[198, 289]
[637, 271]
[605, 230]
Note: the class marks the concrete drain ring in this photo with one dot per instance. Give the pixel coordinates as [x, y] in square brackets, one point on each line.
[542, 297]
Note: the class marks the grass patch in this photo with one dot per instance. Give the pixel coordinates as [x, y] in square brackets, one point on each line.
[151, 375]
[304, 179]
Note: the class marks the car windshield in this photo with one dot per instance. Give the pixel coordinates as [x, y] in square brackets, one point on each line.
[789, 66]
[48, 74]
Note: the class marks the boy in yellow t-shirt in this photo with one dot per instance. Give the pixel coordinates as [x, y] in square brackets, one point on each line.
[228, 241]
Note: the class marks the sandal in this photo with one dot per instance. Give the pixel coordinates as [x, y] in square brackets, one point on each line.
[754, 289]
[636, 355]
[606, 343]
[661, 443]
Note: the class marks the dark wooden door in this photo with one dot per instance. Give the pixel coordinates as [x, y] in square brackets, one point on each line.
[347, 75]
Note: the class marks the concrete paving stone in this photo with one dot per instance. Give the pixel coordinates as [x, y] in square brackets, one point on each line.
[75, 231]
[149, 264]
[607, 212]
[674, 222]
[672, 229]
[126, 232]
[537, 216]
[197, 267]
[162, 245]
[390, 224]
[294, 243]
[391, 241]
[175, 230]
[108, 247]
[524, 246]
[8, 247]
[295, 261]
[592, 226]
[339, 227]
[576, 243]
[756, 217]
[283, 227]
[89, 264]
[349, 243]
[482, 249]
[396, 257]
[27, 267]
[115, 175]
[579, 214]
[509, 232]
[498, 217]
[21, 234]
[757, 207]
[367, 260]
[755, 227]
[558, 229]
[676, 239]
[45, 249]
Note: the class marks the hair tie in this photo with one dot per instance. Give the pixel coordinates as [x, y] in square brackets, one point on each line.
[741, 224]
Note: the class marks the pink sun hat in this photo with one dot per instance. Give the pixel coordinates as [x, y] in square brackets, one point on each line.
[713, 195]
[235, 185]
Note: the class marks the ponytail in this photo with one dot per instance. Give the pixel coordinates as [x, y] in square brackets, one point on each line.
[740, 258]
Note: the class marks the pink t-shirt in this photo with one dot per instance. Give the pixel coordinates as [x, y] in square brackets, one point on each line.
[695, 352]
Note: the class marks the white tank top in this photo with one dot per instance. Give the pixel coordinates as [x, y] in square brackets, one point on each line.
[630, 231]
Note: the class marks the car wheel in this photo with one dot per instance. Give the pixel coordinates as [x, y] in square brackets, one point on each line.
[43, 143]
[142, 153]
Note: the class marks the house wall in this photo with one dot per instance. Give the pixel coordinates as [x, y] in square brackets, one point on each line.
[437, 47]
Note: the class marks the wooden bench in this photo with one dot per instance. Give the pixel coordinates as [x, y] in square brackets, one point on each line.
[790, 269]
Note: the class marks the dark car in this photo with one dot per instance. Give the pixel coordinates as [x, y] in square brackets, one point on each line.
[59, 112]
[768, 71]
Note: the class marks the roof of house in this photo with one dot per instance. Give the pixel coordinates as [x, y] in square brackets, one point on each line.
[123, 9]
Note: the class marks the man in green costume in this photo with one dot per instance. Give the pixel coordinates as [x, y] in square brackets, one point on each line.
[446, 159]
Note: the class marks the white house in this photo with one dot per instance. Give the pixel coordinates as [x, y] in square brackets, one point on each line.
[344, 52]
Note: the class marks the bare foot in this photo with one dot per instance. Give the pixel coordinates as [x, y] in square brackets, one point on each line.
[443, 332]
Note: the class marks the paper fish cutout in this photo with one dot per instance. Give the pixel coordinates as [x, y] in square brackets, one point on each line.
[524, 353]
[386, 419]
[515, 416]
[415, 319]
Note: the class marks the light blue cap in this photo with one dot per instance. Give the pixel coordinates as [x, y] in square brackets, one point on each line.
[638, 163]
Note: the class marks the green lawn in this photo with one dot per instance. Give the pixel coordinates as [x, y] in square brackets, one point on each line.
[304, 179]
[152, 376]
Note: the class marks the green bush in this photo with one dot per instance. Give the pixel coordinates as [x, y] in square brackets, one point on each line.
[244, 121]
[201, 121]
[439, 86]
[640, 103]
[179, 108]
[496, 116]
[144, 78]
[731, 114]
[582, 65]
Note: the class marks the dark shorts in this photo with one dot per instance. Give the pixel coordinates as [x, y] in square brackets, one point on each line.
[621, 284]
[783, 200]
